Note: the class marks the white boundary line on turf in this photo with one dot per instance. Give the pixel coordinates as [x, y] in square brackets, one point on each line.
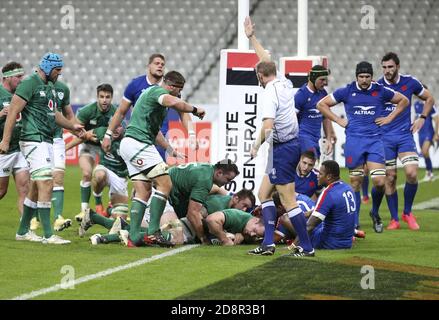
[104, 273]
[419, 182]
[432, 203]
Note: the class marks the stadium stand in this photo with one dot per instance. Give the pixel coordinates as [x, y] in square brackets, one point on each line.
[111, 40]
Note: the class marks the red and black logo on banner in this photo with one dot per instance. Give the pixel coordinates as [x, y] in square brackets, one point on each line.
[297, 71]
[241, 69]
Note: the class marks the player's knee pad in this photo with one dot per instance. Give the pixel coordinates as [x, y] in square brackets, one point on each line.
[356, 173]
[410, 160]
[120, 209]
[42, 174]
[391, 164]
[376, 173]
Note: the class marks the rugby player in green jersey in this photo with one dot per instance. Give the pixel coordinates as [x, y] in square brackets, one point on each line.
[93, 115]
[142, 158]
[35, 98]
[62, 97]
[13, 162]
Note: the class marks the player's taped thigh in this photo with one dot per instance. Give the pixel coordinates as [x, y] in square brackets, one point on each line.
[391, 164]
[158, 170]
[356, 172]
[376, 173]
[410, 160]
[41, 174]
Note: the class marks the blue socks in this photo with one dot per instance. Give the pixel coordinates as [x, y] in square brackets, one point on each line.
[409, 196]
[428, 164]
[365, 186]
[392, 203]
[269, 216]
[298, 220]
[377, 198]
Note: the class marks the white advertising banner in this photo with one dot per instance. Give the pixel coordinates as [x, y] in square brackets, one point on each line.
[238, 120]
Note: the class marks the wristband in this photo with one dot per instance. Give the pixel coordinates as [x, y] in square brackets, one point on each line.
[191, 132]
[109, 133]
[194, 110]
[422, 117]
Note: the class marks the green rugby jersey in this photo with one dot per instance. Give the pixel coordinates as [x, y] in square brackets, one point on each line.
[217, 202]
[63, 99]
[38, 116]
[192, 181]
[111, 160]
[235, 220]
[147, 117]
[5, 99]
[92, 117]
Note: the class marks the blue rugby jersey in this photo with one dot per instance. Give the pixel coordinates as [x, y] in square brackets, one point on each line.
[362, 107]
[336, 208]
[308, 184]
[309, 118]
[305, 203]
[408, 86]
[133, 91]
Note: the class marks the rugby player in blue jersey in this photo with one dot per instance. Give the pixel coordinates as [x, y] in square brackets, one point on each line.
[153, 76]
[364, 102]
[309, 117]
[398, 141]
[306, 179]
[428, 135]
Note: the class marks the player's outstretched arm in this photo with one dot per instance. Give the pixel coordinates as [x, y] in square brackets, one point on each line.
[180, 105]
[249, 29]
[76, 128]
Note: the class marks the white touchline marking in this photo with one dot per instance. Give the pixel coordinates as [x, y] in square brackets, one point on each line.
[419, 182]
[104, 273]
[432, 203]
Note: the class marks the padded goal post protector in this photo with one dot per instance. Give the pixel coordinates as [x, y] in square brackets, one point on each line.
[239, 121]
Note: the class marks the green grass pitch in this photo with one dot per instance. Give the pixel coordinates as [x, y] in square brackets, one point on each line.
[405, 263]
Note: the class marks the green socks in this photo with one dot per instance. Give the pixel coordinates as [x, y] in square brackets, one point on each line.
[156, 208]
[98, 219]
[98, 198]
[44, 213]
[58, 201]
[29, 210]
[137, 210]
[85, 194]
